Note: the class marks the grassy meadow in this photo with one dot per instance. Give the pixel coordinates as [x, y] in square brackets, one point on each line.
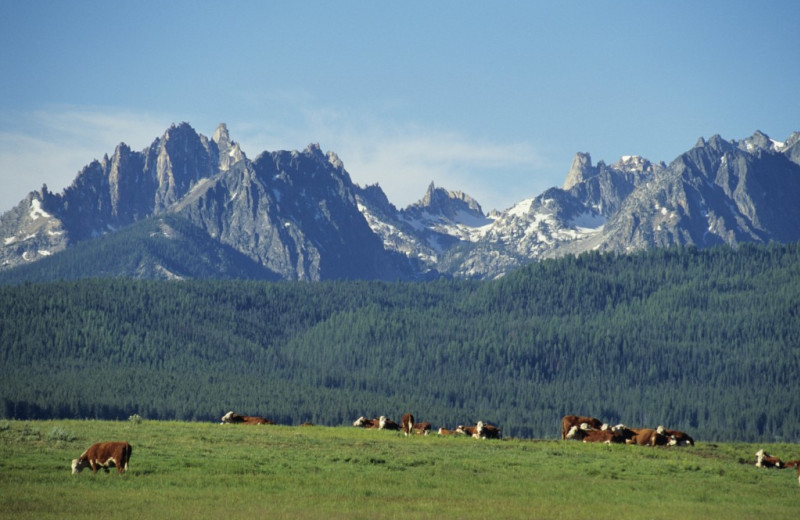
[182, 470]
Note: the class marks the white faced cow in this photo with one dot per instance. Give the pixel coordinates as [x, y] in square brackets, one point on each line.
[104, 455]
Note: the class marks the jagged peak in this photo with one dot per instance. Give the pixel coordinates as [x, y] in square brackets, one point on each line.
[334, 160]
[632, 163]
[438, 198]
[313, 149]
[580, 170]
[178, 130]
[221, 135]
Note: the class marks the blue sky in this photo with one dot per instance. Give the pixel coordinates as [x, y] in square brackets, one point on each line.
[491, 98]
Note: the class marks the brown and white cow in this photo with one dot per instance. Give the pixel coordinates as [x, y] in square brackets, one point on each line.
[363, 422]
[626, 433]
[467, 430]
[486, 431]
[607, 436]
[568, 421]
[676, 437]
[792, 463]
[647, 437]
[235, 418]
[384, 423]
[103, 455]
[765, 460]
[421, 428]
[445, 431]
[407, 424]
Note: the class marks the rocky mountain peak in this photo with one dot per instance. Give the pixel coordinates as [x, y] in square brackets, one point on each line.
[221, 136]
[448, 203]
[580, 170]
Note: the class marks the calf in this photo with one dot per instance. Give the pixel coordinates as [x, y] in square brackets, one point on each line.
[568, 421]
[445, 431]
[765, 460]
[235, 418]
[103, 455]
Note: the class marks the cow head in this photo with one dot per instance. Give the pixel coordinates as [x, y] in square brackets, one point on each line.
[382, 422]
[78, 465]
[760, 454]
[361, 421]
[229, 417]
[572, 433]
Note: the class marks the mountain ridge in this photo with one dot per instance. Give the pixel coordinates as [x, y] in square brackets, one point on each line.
[299, 215]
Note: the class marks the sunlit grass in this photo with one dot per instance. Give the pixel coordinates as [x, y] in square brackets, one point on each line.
[203, 470]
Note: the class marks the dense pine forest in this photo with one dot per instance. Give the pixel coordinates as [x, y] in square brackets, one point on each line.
[703, 341]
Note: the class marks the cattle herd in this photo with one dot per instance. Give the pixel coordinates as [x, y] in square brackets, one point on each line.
[481, 430]
[589, 429]
[103, 455]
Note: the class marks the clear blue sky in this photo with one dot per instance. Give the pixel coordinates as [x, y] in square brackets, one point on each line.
[491, 98]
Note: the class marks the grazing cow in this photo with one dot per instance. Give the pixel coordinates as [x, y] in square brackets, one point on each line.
[421, 428]
[103, 455]
[765, 460]
[676, 437]
[568, 421]
[384, 423]
[486, 431]
[235, 418]
[407, 424]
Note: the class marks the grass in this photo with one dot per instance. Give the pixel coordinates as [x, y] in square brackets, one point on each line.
[203, 470]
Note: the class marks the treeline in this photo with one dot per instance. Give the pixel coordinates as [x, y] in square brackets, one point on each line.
[703, 341]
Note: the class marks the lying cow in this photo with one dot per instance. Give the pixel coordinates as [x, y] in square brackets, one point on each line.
[467, 430]
[235, 418]
[647, 437]
[676, 437]
[363, 422]
[765, 460]
[486, 431]
[421, 428]
[104, 455]
[445, 431]
[384, 423]
[607, 436]
[568, 421]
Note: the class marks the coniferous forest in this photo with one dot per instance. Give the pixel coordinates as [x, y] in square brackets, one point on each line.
[703, 341]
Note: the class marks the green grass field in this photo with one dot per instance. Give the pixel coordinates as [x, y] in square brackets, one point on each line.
[202, 470]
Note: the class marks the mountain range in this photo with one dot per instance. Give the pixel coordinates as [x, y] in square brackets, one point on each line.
[189, 206]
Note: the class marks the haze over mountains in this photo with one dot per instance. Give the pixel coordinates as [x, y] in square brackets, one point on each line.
[296, 215]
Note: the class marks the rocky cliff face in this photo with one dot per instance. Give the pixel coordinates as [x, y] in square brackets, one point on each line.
[299, 215]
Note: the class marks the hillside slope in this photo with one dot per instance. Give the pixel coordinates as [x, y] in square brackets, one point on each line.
[704, 341]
